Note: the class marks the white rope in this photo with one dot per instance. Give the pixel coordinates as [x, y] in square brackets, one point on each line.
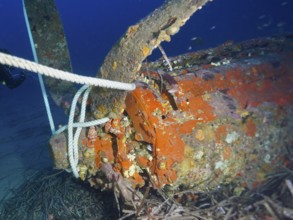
[73, 156]
[83, 124]
[10, 60]
[73, 139]
[6, 59]
[81, 119]
[41, 80]
[14, 61]
[72, 151]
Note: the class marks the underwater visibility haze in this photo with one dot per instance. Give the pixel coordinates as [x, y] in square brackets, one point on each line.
[91, 29]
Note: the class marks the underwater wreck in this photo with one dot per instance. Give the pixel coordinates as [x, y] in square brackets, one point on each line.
[221, 115]
[194, 122]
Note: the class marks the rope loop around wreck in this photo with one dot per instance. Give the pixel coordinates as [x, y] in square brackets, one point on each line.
[88, 82]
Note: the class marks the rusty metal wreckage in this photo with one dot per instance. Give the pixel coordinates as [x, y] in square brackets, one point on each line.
[221, 115]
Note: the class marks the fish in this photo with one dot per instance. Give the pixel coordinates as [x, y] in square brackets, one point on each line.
[212, 28]
[197, 40]
[280, 24]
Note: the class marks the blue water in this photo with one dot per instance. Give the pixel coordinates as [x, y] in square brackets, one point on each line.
[91, 29]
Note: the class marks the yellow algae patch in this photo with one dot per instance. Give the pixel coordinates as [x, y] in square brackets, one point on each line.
[242, 113]
[188, 162]
[132, 30]
[199, 135]
[101, 112]
[145, 50]
[114, 65]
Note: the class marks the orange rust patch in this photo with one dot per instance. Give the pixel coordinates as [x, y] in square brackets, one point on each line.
[140, 106]
[103, 148]
[184, 71]
[186, 127]
[146, 113]
[227, 152]
[142, 161]
[85, 142]
[125, 165]
[198, 107]
[162, 123]
[165, 175]
[168, 144]
[264, 84]
[206, 66]
[138, 181]
[122, 150]
[221, 133]
[250, 128]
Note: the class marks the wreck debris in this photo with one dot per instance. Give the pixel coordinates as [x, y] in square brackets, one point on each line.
[225, 124]
[51, 46]
[125, 58]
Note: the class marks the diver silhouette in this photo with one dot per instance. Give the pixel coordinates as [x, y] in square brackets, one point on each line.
[8, 75]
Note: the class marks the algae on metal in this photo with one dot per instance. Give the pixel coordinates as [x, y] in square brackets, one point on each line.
[124, 60]
[50, 44]
[226, 123]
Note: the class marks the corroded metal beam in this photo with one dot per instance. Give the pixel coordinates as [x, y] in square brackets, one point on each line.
[126, 57]
[222, 116]
[50, 45]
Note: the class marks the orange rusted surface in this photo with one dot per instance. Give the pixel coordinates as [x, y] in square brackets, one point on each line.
[104, 149]
[205, 123]
[147, 115]
[250, 128]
